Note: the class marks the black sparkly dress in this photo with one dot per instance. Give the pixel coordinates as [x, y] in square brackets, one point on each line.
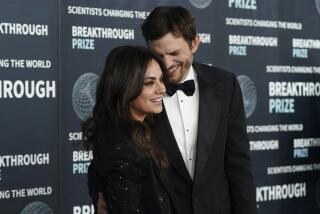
[128, 179]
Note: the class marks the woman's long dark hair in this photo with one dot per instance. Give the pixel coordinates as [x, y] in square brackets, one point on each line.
[120, 83]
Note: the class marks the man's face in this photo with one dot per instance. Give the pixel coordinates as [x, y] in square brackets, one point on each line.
[176, 53]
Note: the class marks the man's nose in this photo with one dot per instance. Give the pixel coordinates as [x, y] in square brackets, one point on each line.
[168, 61]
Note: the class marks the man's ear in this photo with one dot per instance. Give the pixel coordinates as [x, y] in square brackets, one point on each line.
[195, 43]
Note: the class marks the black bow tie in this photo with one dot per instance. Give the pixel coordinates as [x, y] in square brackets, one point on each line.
[187, 87]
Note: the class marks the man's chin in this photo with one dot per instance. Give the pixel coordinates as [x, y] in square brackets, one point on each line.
[173, 80]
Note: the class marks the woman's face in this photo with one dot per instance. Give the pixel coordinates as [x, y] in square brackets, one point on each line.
[150, 98]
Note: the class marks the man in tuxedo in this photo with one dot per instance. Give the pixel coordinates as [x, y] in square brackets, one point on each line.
[203, 128]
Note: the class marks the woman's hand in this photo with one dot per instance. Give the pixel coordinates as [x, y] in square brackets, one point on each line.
[101, 205]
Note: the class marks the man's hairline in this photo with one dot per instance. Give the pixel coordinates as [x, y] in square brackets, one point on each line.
[188, 42]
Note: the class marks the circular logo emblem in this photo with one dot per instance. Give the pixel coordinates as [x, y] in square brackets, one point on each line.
[318, 5]
[200, 4]
[37, 207]
[84, 95]
[249, 94]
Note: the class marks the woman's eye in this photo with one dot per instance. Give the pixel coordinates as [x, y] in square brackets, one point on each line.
[148, 83]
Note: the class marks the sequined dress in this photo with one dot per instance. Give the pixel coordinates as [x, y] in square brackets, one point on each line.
[128, 179]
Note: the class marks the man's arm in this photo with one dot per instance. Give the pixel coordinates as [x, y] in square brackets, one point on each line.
[238, 161]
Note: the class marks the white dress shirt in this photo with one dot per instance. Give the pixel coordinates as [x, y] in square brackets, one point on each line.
[182, 111]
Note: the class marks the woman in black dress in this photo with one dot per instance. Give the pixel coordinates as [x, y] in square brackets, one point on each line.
[131, 168]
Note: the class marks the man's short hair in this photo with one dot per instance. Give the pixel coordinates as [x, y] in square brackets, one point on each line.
[169, 19]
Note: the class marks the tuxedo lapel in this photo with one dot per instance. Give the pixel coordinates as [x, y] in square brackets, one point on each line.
[167, 142]
[209, 113]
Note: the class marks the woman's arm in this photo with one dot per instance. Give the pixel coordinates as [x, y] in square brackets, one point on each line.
[119, 168]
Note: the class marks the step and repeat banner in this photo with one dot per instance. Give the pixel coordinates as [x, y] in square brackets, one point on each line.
[52, 53]
[29, 124]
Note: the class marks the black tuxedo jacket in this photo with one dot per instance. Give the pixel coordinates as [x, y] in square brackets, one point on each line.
[223, 182]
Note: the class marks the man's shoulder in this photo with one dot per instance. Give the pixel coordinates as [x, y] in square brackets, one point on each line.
[212, 73]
